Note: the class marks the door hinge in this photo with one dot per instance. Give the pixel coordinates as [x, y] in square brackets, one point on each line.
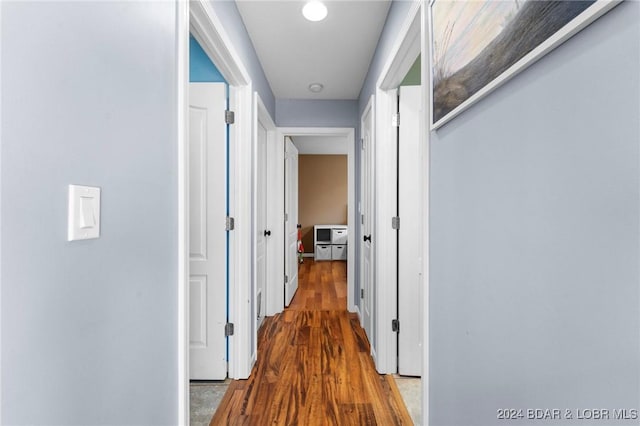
[230, 223]
[286, 278]
[395, 120]
[362, 293]
[395, 325]
[362, 144]
[362, 219]
[228, 329]
[395, 222]
[229, 117]
[286, 217]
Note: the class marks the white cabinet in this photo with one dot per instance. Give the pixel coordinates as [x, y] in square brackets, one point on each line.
[330, 242]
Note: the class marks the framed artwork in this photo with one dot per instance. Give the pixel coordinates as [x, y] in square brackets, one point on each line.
[477, 45]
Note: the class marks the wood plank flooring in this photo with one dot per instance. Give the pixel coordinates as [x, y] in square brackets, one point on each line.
[322, 286]
[314, 366]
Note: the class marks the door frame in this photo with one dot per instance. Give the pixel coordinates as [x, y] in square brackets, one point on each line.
[425, 144]
[198, 18]
[261, 114]
[208, 30]
[276, 304]
[409, 259]
[413, 38]
[403, 54]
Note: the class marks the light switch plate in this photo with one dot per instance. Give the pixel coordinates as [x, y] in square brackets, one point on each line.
[84, 212]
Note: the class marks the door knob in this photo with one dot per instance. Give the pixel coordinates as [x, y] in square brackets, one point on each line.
[267, 233]
[367, 238]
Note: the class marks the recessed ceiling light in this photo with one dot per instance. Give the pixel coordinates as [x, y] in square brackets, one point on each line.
[316, 87]
[314, 11]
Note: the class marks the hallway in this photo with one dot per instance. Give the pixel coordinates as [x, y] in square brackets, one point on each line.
[314, 366]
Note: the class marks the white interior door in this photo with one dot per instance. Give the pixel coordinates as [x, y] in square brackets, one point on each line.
[291, 220]
[409, 243]
[207, 234]
[262, 233]
[366, 273]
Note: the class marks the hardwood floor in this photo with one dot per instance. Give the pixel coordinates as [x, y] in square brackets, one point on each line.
[314, 366]
[322, 286]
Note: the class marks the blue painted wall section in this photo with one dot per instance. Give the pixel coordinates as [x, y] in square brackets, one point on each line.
[201, 69]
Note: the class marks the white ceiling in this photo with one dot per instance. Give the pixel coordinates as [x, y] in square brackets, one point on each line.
[295, 52]
[320, 144]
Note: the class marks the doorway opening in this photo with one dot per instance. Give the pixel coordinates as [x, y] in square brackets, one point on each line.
[322, 205]
[325, 144]
[197, 18]
[207, 28]
[389, 308]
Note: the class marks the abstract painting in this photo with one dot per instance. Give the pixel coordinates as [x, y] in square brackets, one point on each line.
[476, 45]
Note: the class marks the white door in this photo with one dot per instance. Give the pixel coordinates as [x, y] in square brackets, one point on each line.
[291, 220]
[262, 233]
[366, 272]
[409, 244]
[207, 235]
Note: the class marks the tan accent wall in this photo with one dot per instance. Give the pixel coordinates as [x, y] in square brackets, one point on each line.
[322, 193]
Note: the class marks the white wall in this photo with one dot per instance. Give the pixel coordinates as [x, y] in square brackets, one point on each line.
[89, 329]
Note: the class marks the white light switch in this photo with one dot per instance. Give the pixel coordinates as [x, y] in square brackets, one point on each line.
[84, 212]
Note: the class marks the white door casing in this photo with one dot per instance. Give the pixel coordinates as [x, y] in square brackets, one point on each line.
[261, 230]
[272, 298]
[263, 252]
[207, 235]
[291, 220]
[367, 293]
[409, 234]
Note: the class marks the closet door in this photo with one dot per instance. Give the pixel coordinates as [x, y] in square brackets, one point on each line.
[207, 234]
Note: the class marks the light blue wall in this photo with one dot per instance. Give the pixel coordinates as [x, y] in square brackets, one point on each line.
[89, 97]
[398, 13]
[228, 13]
[535, 238]
[316, 113]
[201, 69]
